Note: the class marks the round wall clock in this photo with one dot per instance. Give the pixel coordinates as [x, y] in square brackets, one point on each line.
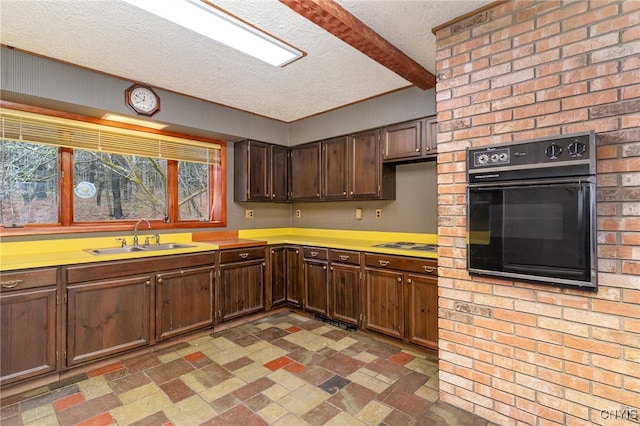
[142, 100]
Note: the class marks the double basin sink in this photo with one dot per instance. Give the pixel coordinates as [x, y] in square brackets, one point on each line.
[133, 249]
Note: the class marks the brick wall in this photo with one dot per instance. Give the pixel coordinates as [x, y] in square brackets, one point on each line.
[533, 354]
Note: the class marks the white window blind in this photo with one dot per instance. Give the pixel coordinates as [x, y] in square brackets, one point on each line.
[21, 126]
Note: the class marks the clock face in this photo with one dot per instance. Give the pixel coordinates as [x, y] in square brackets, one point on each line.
[143, 100]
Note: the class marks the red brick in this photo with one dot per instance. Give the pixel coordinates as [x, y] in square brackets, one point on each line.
[562, 118]
[593, 374]
[616, 52]
[562, 39]
[103, 419]
[588, 344]
[68, 401]
[590, 99]
[610, 25]
[106, 369]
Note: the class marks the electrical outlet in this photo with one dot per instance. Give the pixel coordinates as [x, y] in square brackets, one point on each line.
[248, 214]
[298, 214]
[378, 213]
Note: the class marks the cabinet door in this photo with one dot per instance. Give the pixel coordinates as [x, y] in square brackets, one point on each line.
[295, 291]
[384, 302]
[316, 280]
[279, 170]
[28, 334]
[430, 138]
[184, 301]
[278, 276]
[335, 168]
[423, 310]
[345, 282]
[107, 317]
[241, 289]
[305, 175]
[365, 165]
[258, 171]
[403, 141]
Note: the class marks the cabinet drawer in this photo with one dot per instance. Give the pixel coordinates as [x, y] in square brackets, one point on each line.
[409, 264]
[316, 253]
[239, 255]
[20, 280]
[345, 256]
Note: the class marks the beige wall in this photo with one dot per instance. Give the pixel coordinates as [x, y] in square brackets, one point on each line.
[524, 353]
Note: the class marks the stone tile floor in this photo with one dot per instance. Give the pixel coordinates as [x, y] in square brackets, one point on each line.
[284, 369]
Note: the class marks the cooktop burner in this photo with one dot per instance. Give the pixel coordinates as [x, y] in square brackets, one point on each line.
[404, 245]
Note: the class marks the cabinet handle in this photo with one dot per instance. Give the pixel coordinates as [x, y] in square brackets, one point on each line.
[351, 193]
[314, 253]
[409, 281]
[428, 149]
[318, 195]
[324, 267]
[148, 283]
[383, 262]
[11, 283]
[332, 268]
[343, 257]
[159, 280]
[428, 268]
[399, 279]
[417, 149]
[273, 195]
[244, 255]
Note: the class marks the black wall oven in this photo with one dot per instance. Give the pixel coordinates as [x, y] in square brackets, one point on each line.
[532, 211]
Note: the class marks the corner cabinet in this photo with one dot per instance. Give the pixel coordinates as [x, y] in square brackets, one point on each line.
[261, 171]
[29, 315]
[410, 141]
[285, 285]
[241, 282]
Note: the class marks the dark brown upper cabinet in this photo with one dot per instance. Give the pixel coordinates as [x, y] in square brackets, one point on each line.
[261, 171]
[410, 141]
[305, 175]
[335, 165]
[368, 177]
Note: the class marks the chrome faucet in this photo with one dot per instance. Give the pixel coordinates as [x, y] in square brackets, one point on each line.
[135, 230]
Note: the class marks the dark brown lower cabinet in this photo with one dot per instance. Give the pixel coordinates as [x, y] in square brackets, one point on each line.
[184, 301]
[423, 310]
[241, 287]
[28, 333]
[285, 276]
[316, 280]
[385, 311]
[107, 317]
[402, 298]
[346, 300]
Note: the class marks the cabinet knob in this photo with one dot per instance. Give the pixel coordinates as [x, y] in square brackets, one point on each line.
[159, 281]
[399, 279]
[11, 283]
[344, 193]
[318, 195]
[409, 281]
[273, 195]
[428, 149]
[324, 267]
[351, 193]
[332, 268]
[417, 149]
[383, 263]
[148, 283]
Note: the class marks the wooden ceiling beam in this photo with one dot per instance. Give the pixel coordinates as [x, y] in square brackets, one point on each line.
[333, 18]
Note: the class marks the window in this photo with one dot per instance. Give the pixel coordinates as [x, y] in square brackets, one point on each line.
[113, 175]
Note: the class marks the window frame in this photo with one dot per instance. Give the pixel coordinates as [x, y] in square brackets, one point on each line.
[66, 225]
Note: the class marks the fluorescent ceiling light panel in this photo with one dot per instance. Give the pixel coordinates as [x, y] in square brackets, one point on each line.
[134, 121]
[213, 23]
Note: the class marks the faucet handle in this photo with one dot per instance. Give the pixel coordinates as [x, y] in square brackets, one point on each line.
[123, 242]
[157, 237]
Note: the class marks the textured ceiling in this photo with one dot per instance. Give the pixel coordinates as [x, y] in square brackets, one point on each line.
[116, 38]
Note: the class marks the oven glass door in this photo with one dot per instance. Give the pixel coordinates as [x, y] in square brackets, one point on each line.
[541, 232]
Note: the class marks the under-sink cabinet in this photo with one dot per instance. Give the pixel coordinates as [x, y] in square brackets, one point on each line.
[29, 337]
[110, 305]
[241, 285]
[184, 301]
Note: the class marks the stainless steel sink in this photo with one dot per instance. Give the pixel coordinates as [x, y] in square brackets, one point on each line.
[115, 250]
[167, 246]
[134, 249]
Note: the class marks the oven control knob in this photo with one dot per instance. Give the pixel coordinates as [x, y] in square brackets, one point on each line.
[553, 151]
[483, 158]
[577, 148]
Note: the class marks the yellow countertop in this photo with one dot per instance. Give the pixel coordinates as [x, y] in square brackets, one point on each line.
[56, 252]
[344, 239]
